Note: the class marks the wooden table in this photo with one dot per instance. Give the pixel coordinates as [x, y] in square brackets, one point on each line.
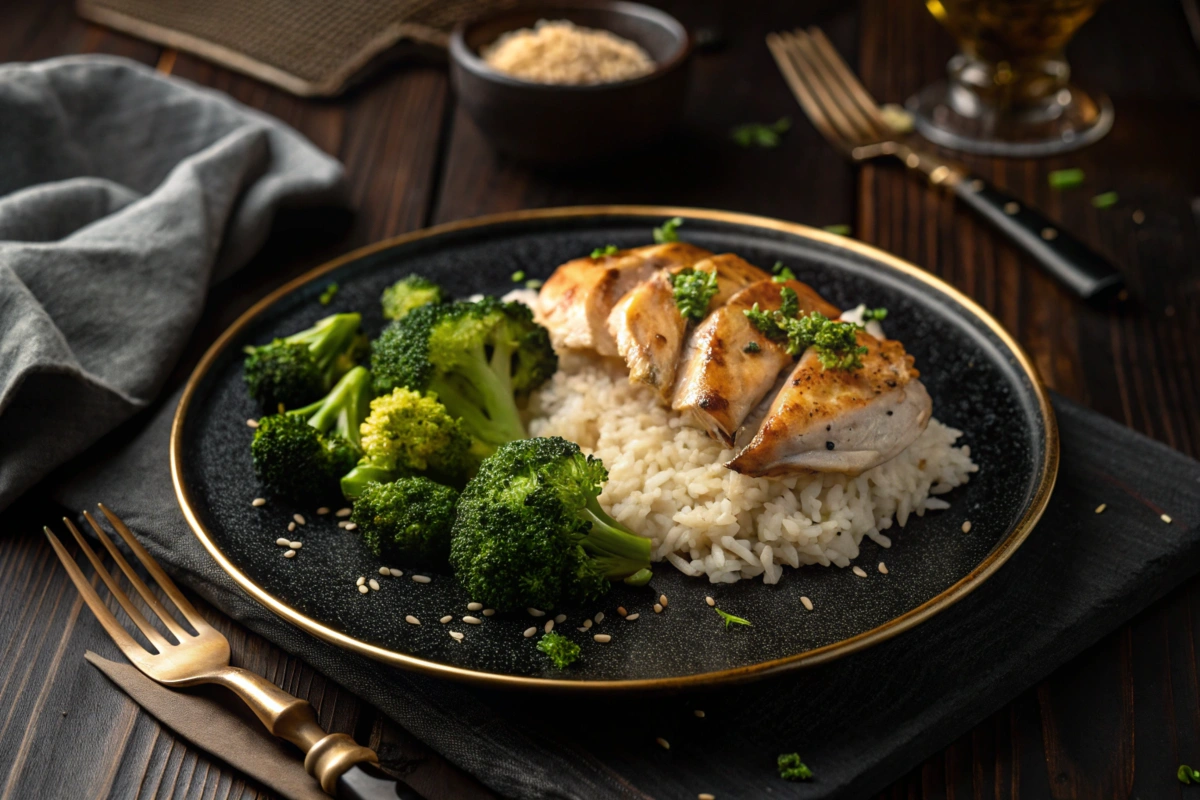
[1116, 722]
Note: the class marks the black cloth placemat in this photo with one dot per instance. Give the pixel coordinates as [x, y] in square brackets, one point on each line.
[859, 722]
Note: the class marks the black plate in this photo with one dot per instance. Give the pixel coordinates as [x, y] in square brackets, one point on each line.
[979, 379]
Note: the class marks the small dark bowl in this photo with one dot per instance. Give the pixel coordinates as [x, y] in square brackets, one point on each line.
[554, 124]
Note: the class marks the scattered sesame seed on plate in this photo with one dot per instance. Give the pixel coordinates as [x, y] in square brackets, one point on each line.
[384, 571]
[536, 612]
[363, 589]
[581, 629]
[474, 606]
[282, 541]
[602, 638]
[1100, 508]
[658, 608]
[549, 625]
[631, 617]
[560, 619]
[530, 632]
[699, 713]
[396, 573]
[342, 512]
[295, 545]
[291, 527]
[804, 601]
[456, 635]
[966, 526]
[859, 572]
[1165, 518]
[662, 600]
[342, 524]
[587, 623]
[322, 511]
[290, 554]
[374, 584]
[299, 518]
[487, 612]
[710, 601]
[361, 580]
[258, 501]
[421, 578]
[883, 568]
[705, 796]
[445, 619]
[350, 526]
[663, 743]
[410, 619]
[599, 617]
[472, 620]
[621, 610]
[253, 423]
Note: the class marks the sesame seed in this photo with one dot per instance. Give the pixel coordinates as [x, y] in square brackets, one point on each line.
[1100, 508]
[299, 518]
[663, 743]
[342, 512]
[342, 524]
[487, 612]
[581, 630]
[705, 796]
[560, 619]
[282, 542]
[534, 612]
[710, 601]
[384, 571]
[421, 578]
[883, 568]
[458, 637]
[474, 606]
[699, 713]
[587, 623]
[658, 608]
[966, 526]
[295, 545]
[599, 618]
[291, 527]
[374, 584]
[621, 610]
[410, 619]
[396, 573]
[361, 580]
[290, 554]
[445, 619]
[363, 590]
[804, 601]
[258, 501]
[602, 638]
[1165, 518]
[631, 617]
[662, 600]
[859, 572]
[472, 620]
[253, 423]
[1139, 217]
[322, 511]
[530, 632]
[350, 526]
[549, 625]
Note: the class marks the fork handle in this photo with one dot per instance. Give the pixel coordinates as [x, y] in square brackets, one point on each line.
[1083, 270]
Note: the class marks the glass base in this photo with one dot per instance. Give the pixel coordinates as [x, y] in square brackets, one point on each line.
[1075, 119]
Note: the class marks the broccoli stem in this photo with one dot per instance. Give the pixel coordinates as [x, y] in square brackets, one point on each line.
[328, 339]
[620, 552]
[356, 480]
[344, 408]
[500, 421]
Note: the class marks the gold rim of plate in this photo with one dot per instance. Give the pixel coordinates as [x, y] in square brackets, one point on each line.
[982, 571]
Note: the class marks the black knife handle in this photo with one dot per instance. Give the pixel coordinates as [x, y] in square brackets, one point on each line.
[366, 782]
[1083, 270]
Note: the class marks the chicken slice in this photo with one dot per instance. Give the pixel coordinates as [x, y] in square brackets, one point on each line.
[648, 328]
[719, 381]
[575, 301]
[835, 420]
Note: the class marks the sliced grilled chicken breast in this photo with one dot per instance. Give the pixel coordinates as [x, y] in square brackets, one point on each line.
[719, 381]
[575, 301]
[834, 420]
[648, 328]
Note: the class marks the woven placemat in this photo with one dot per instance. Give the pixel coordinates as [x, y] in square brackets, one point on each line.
[312, 48]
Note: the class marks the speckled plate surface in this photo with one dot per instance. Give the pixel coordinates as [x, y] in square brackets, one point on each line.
[979, 379]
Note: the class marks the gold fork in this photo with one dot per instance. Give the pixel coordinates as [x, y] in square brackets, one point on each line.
[203, 657]
[842, 110]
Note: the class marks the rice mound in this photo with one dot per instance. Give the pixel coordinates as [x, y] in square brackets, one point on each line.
[667, 482]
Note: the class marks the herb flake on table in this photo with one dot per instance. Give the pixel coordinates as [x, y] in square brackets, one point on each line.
[840, 230]
[1105, 200]
[730, 619]
[791, 768]
[1187, 775]
[1065, 178]
[782, 273]
[694, 289]
[607, 250]
[518, 276]
[760, 134]
[327, 296]
[668, 232]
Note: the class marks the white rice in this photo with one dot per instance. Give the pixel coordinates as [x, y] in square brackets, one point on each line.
[667, 482]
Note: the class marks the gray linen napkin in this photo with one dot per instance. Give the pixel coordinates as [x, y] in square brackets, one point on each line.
[123, 195]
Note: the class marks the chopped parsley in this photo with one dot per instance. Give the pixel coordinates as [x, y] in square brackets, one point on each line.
[1065, 178]
[836, 343]
[1106, 200]
[668, 232]
[562, 651]
[759, 134]
[694, 289]
[730, 619]
[534, 283]
[1187, 775]
[840, 230]
[607, 250]
[751, 347]
[789, 302]
[327, 296]
[782, 273]
[791, 768]
[518, 276]
[877, 314]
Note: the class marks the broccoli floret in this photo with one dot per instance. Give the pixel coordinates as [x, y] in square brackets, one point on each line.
[407, 521]
[302, 454]
[562, 651]
[791, 768]
[530, 532]
[476, 357]
[300, 368]
[408, 293]
[407, 433]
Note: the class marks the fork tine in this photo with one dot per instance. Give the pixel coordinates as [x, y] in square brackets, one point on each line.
[115, 590]
[129, 646]
[156, 572]
[831, 95]
[858, 93]
[782, 51]
[151, 599]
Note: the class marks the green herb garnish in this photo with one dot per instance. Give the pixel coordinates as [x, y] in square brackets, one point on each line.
[751, 347]
[877, 314]
[759, 134]
[667, 233]
[840, 230]
[518, 276]
[836, 343]
[791, 768]
[1187, 775]
[789, 302]
[327, 296]
[782, 273]
[1106, 200]
[562, 651]
[534, 283]
[1065, 178]
[694, 288]
[730, 619]
[607, 250]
